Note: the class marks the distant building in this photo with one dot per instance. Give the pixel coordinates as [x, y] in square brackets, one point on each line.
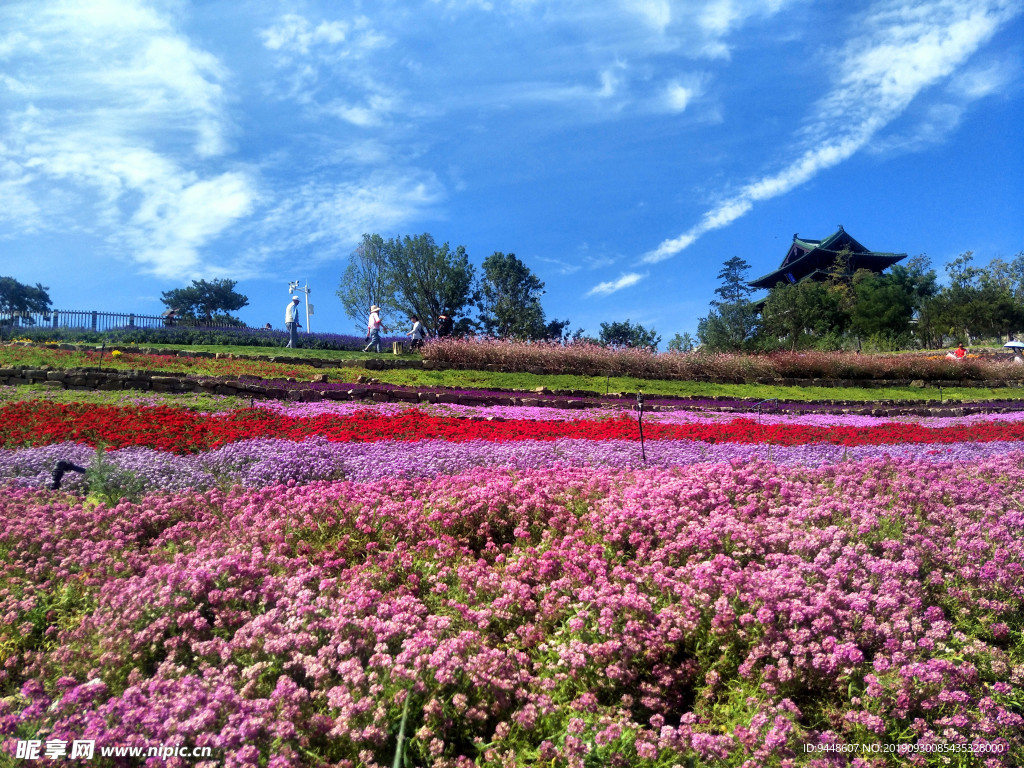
[814, 259]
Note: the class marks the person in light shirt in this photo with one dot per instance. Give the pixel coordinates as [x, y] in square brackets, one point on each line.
[374, 325]
[416, 334]
[291, 322]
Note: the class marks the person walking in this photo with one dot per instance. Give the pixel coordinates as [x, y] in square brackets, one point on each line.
[445, 326]
[291, 322]
[374, 325]
[416, 334]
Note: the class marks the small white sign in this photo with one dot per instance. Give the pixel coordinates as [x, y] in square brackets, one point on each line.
[311, 309]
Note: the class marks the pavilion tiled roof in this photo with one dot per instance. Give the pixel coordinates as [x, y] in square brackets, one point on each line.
[812, 259]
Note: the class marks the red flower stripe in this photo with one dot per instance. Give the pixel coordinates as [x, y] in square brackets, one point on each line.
[29, 423]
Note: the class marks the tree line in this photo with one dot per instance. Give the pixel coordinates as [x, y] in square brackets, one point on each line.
[899, 309]
[405, 276]
[413, 275]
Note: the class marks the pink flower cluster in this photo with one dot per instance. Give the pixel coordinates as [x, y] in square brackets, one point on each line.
[724, 614]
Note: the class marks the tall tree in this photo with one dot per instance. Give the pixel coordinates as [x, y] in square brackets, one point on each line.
[206, 300]
[509, 301]
[734, 287]
[367, 281]
[627, 334]
[733, 319]
[429, 279]
[19, 297]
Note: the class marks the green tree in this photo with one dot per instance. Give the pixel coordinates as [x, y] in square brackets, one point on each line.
[732, 322]
[206, 300]
[1001, 312]
[509, 301]
[429, 279]
[979, 301]
[803, 313]
[734, 287]
[367, 281]
[729, 326]
[18, 300]
[627, 334]
[917, 279]
[682, 343]
[959, 305]
[883, 305]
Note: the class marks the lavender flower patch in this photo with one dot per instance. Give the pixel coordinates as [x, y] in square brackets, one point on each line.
[264, 462]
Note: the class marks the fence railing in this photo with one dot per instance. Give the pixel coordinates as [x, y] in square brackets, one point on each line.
[99, 321]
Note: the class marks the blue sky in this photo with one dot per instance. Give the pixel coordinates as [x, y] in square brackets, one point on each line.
[623, 149]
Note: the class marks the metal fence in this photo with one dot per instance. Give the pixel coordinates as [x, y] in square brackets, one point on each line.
[99, 321]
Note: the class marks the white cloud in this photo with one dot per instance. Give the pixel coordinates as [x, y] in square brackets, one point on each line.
[115, 122]
[610, 287]
[373, 111]
[658, 13]
[905, 49]
[331, 55]
[16, 203]
[583, 258]
[333, 216]
[296, 34]
[610, 81]
[670, 248]
[170, 228]
[678, 97]
[718, 19]
[719, 16]
[14, 86]
[984, 80]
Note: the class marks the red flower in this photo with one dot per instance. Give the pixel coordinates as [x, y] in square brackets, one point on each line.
[30, 423]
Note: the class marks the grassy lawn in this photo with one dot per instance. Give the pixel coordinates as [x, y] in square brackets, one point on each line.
[197, 401]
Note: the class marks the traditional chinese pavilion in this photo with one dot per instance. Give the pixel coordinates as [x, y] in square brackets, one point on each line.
[814, 259]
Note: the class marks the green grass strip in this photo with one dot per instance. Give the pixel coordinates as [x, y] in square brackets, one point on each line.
[196, 401]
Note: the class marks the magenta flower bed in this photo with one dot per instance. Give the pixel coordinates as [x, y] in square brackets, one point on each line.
[556, 603]
[725, 614]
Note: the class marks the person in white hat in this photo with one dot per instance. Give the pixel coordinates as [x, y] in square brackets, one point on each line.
[373, 329]
[291, 322]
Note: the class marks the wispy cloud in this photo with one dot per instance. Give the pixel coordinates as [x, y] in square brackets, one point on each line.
[324, 54]
[612, 286]
[717, 19]
[317, 219]
[99, 81]
[905, 49]
[584, 257]
[935, 123]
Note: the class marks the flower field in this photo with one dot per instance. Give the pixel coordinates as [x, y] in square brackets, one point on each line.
[286, 584]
